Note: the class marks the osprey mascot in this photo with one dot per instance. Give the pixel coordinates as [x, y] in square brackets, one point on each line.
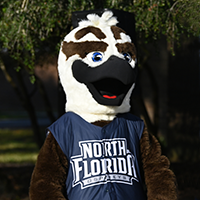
[97, 150]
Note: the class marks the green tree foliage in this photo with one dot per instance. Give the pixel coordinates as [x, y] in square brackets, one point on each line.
[28, 26]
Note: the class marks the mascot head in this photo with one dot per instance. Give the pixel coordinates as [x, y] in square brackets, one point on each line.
[96, 66]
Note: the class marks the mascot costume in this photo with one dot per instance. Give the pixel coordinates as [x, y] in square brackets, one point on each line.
[97, 149]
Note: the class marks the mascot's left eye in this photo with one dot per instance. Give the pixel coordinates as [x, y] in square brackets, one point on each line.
[127, 57]
[97, 57]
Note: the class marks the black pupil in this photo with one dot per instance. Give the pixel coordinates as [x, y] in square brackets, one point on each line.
[97, 57]
[127, 57]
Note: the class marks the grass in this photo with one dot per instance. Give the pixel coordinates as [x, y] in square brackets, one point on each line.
[13, 115]
[17, 146]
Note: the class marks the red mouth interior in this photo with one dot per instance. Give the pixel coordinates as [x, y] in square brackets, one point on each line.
[110, 97]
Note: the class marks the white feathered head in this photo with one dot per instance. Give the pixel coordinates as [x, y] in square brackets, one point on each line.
[96, 66]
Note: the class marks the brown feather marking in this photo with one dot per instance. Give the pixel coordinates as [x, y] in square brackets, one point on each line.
[159, 179]
[127, 48]
[101, 123]
[82, 48]
[90, 29]
[116, 31]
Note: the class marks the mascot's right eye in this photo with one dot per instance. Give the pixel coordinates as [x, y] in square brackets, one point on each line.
[97, 57]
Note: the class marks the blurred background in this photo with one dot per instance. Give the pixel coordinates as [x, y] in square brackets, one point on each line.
[167, 95]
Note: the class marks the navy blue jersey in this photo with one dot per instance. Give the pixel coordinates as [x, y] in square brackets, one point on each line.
[103, 161]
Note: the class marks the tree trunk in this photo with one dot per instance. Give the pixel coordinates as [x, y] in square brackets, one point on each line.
[155, 98]
[25, 100]
[45, 99]
[30, 109]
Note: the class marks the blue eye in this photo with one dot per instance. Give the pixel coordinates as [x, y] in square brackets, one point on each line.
[97, 57]
[127, 57]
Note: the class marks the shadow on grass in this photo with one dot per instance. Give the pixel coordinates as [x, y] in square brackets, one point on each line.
[18, 154]
[15, 181]
[17, 146]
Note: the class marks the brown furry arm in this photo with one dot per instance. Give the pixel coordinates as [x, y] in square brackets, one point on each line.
[159, 179]
[50, 173]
